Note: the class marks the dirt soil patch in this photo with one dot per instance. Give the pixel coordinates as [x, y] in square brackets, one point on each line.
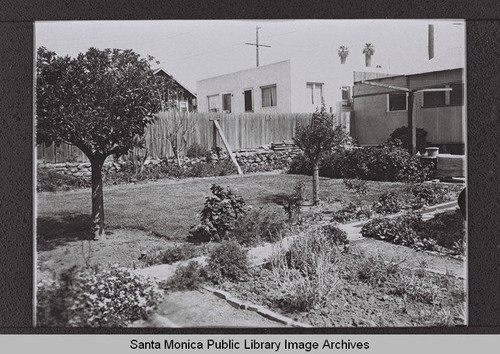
[120, 246]
[203, 309]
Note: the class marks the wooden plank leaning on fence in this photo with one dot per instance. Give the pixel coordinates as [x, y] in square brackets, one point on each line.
[226, 144]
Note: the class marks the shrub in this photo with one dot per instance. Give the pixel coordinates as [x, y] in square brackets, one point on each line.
[51, 181]
[334, 235]
[306, 272]
[294, 201]
[388, 203]
[219, 214]
[434, 193]
[351, 212]
[375, 271]
[356, 185]
[89, 298]
[197, 150]
[172, 255]
[227, 261]
[390, 162]
[187, 277]
[258, 226]
[402, 134]
[400, 230]
[300, 165]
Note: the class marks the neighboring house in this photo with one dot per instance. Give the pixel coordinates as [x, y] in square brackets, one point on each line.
[282, 87]
[378, 111]
[181, 98]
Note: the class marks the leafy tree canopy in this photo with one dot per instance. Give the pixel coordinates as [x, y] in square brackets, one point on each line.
[99, 101]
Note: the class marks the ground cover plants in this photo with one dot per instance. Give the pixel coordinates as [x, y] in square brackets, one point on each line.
[444, 233]
[90, 297]
[327, 287]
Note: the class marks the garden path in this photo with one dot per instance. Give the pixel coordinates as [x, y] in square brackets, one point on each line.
[203, 309]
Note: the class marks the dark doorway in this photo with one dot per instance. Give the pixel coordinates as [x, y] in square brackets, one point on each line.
[248, 101]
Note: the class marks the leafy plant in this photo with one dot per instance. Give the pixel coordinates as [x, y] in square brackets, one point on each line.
[91, 298]
[198, 150]
[258, 226]
[403, 135]
[334, 235]
[434, 193]
[187, 277]
[401, 230]
[356, 185]
[51, 181]
[388, 203]
[172, 255]
[228, 261]
[219, 214]
[293, 202]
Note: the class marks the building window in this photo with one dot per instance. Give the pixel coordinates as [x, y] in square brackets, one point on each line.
[457, 95]
[434, 99]
[248, 101]
[213, 103]
[346, 95]
[315, 91]
[226, 102]
[397, 102]
[269, 96]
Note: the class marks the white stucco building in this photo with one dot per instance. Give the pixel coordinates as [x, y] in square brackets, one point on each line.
[286, 86]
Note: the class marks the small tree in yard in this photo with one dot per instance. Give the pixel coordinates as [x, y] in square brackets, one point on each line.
[100, 102]
[317, 138]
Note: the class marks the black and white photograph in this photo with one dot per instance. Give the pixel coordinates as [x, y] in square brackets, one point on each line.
[250, 173]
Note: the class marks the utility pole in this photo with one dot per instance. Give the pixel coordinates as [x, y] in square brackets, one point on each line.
[257, 45]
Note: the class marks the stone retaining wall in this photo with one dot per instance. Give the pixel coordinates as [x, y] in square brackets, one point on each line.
[249, 160]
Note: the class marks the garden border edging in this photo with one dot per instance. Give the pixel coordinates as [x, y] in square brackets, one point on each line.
[242, 305]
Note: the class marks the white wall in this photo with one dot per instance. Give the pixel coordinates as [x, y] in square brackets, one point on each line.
[236, 83]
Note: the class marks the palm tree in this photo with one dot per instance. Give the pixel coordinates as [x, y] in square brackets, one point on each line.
[368, 51]
[343, 53]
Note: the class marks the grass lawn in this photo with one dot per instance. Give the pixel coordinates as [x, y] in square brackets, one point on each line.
[169, 208]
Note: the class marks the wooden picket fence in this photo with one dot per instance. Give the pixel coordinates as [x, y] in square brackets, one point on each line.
[243, 131]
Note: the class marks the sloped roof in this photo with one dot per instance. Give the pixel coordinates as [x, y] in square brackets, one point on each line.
[159, 70]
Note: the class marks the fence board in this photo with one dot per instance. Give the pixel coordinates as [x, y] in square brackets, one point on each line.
[242, 131]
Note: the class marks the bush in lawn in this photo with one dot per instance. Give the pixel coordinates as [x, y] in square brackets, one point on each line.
[187, 277]
[388, 203]
[51, 181]
[197, 150]
[219, 214]
[228, 261]
[258, 226]
[356, 185]
[401, 230]
[402, 134]
[433, 193]
[446, 230]
[89, 298]
[294, 201]
[172, 255]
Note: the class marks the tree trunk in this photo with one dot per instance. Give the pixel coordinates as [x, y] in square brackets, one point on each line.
[97, 162]
[316, 183]
[368, 60]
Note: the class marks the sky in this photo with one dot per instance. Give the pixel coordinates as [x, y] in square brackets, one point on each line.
[193, 50]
